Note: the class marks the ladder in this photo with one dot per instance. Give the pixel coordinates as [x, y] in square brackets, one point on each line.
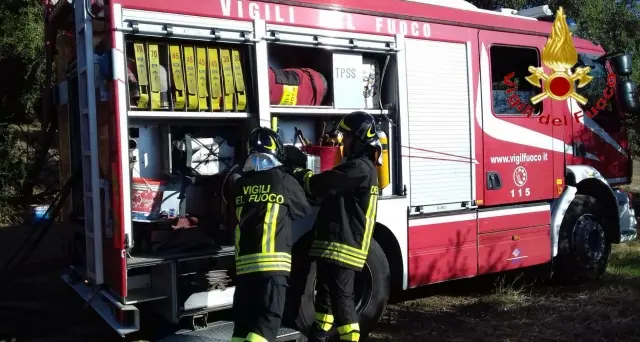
[89, 141]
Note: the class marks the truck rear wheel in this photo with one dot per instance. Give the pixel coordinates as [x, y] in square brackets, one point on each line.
[583, 248]
[371, 290]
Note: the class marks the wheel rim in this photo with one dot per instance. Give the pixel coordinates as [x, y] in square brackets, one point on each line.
[590, 240]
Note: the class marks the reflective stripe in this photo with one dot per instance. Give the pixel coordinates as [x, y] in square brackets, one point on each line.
[324, 321]
[253, 337]
[264, 267]
[348, 328]
[323, 317]
[237, 232]
[345, 253]
[269, 228]
[371, 221]
[263, 262]
[263, 257]
[339, 247]
[338, 256]
[349, 332]
[352, 336]
[306, 179]
[324, 326]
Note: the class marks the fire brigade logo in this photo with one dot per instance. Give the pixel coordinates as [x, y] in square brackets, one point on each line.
[520, 176]
[560, 55]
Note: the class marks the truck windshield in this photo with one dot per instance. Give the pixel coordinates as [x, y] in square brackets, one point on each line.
[593, 91]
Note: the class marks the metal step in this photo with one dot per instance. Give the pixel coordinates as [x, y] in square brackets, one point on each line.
[221, 331]
[148, 260]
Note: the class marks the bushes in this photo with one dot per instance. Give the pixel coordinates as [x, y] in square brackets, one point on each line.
[12, 173]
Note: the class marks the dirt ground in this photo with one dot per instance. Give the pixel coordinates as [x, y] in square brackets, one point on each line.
[497, 309]
[35, 305]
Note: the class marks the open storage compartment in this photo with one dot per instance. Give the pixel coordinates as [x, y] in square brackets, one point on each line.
[315, 80]
[188, 78]
[177, 167]
[162, 174]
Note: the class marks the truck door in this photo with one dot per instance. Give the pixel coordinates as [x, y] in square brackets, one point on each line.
[517, 135]
[598, 137]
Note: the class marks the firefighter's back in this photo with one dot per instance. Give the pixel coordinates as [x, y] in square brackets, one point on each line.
[266, 202]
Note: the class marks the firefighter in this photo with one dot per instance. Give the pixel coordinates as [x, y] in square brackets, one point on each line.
[267, 199]
[344, 225]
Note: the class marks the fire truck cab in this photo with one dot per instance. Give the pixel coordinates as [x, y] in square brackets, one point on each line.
[155, 98]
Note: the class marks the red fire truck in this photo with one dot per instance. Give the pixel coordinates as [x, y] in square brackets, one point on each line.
[155, 97]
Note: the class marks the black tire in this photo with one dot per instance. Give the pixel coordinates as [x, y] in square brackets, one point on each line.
[372, 288]
[583, 247]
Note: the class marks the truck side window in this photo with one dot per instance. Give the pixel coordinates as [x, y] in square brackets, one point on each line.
[606, 118]
[504, 61]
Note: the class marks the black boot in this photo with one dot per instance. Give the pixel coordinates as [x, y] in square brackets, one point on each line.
[318, 335]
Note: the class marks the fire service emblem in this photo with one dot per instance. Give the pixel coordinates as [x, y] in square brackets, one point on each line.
[520, 176]
[559, 54]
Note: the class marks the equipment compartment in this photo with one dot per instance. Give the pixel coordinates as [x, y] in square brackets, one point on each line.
[317, 137]
[188, 76]
[312, 78]
[183, 206]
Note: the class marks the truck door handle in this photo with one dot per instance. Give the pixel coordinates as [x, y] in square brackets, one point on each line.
[578, 149]
[493, 181]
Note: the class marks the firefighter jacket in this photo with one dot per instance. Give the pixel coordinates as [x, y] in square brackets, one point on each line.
[266, 203]
[346, 219]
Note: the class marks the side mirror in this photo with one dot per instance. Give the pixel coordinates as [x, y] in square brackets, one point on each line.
[621, 64]
[628, 96]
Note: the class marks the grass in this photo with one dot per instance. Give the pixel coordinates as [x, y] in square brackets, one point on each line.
[512, 309]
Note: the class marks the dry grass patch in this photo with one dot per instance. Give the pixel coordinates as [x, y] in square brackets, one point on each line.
[514, 310]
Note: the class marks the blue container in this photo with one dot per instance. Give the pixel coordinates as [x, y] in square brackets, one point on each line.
[40, 213]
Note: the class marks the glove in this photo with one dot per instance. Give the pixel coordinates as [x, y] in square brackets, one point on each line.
[300, 173]
[294, 158]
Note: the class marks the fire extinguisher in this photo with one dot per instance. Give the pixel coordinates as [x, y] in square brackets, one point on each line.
[383, 170]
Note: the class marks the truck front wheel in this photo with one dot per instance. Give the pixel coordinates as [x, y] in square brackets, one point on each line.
[371, 290]
[583, 248]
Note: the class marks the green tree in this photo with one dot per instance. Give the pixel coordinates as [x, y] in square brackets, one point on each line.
[22, 66]
[21, 60]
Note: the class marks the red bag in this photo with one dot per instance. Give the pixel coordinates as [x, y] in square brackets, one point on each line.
[301, 87]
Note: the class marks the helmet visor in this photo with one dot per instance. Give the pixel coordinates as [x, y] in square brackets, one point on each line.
[260, 162]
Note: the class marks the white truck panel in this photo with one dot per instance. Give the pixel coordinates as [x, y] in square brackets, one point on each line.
[439, 123]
